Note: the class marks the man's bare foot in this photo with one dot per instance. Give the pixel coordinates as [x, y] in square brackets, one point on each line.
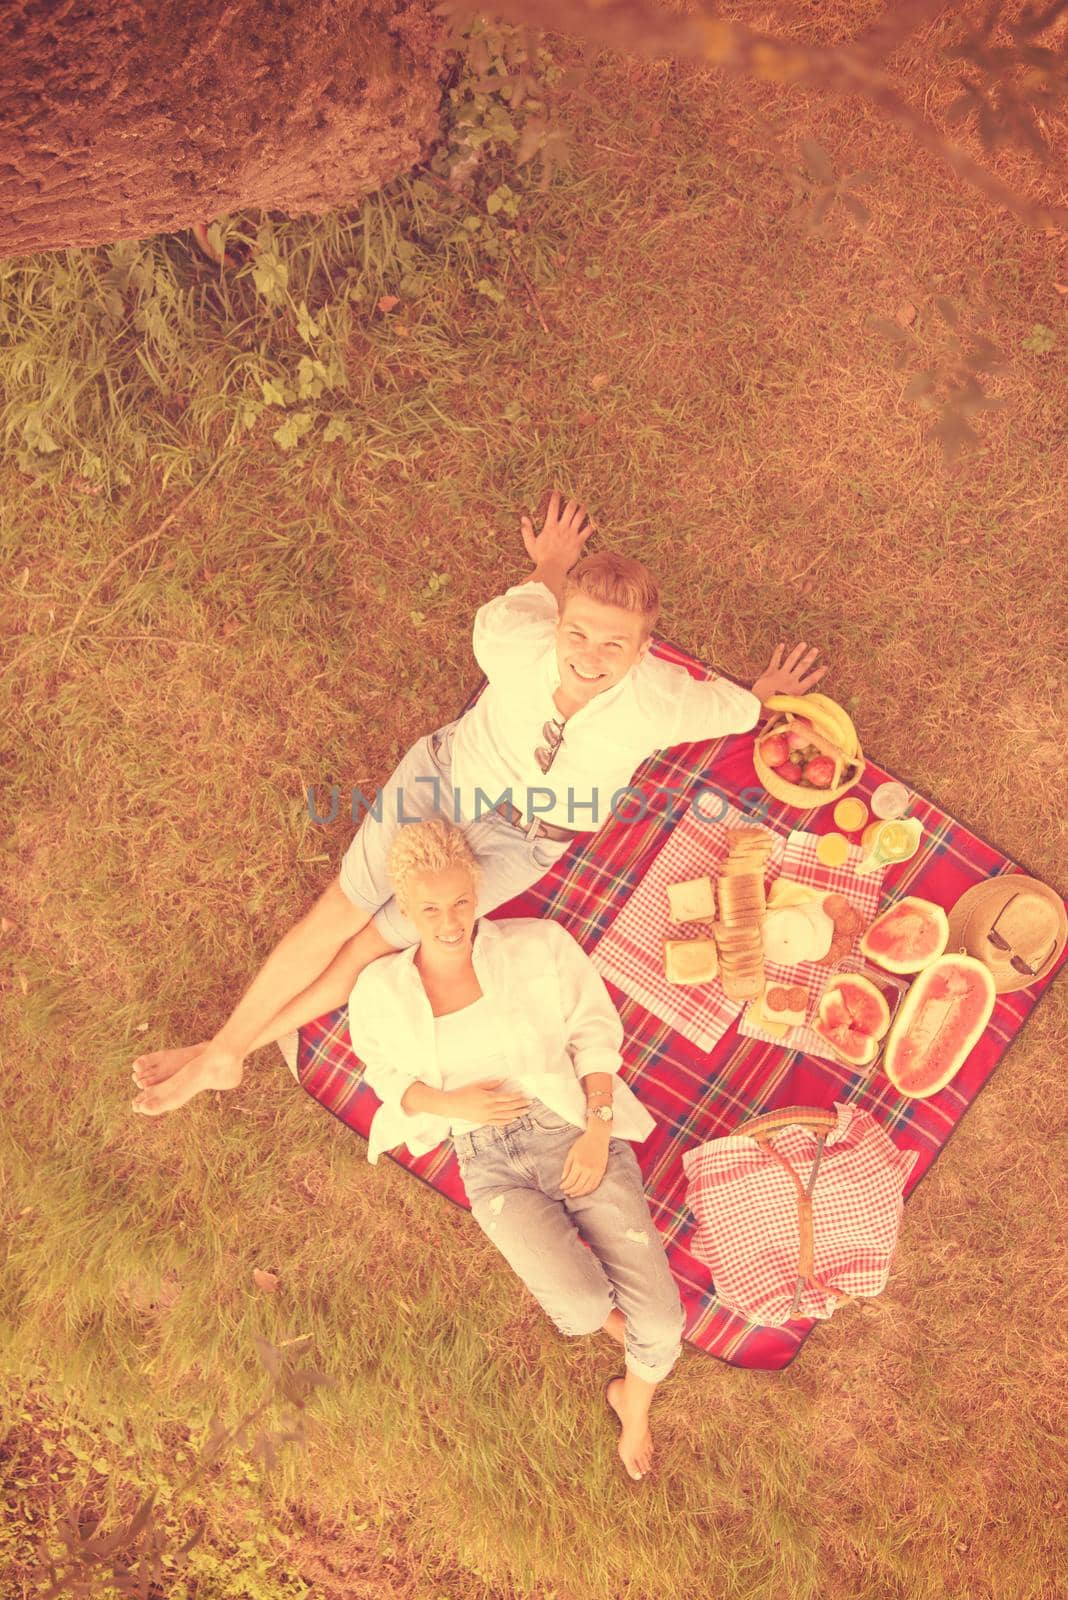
[206, 1068]
[159, 1065]
[635, 1441]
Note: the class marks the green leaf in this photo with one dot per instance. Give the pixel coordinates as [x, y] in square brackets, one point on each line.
[293, 429]
[307, 326]
[492, 291]
[270, 274]
[274, 394]
[311, 378]
[337, 428]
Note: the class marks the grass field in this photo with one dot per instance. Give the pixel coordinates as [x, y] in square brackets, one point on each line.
[678, 350]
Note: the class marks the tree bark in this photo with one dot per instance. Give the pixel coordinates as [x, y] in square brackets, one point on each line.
[134, 117]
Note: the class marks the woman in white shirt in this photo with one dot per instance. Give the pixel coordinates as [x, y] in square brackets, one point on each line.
[503, 1035]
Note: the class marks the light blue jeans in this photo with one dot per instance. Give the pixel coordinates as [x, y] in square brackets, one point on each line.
[512, 1177]
[509, 862]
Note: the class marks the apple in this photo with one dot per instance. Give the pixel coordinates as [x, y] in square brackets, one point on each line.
[790, 771]
[820, 772]
[774, 749]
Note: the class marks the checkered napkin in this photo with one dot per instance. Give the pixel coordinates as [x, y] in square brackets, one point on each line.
[631, 954]
[799, 864]
[747, 1212]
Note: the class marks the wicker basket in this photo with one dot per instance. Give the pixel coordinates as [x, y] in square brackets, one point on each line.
[795, 794]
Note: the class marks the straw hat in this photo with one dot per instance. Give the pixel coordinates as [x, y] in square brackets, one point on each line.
[1030, 916]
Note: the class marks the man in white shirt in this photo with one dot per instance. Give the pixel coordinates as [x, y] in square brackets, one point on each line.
[574, 702]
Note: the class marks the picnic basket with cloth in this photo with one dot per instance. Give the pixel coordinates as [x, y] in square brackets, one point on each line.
[798, 1211]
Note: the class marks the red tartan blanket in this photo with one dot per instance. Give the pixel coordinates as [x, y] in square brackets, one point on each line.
[693, 1094]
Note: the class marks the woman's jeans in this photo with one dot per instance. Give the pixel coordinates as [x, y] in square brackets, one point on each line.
[512, 1177]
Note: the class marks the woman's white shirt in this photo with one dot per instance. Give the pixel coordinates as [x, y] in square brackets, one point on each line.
[470, 1050]
[546, 1006]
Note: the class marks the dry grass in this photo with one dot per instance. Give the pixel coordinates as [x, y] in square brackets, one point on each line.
[751, 443]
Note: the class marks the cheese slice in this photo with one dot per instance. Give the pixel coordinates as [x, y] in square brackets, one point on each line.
[785, 892]
[757, 1017]
[788, 1018]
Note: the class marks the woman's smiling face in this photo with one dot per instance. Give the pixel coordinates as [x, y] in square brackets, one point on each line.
[442, 905]
[596, 645]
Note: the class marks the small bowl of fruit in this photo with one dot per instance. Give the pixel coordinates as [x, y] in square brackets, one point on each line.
[809, 754]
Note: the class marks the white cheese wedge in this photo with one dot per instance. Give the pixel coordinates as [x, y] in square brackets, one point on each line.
[797, 933]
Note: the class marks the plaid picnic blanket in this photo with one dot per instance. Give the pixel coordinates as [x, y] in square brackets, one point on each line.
[694, 1094]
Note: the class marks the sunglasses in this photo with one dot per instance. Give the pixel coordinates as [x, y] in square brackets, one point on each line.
[1017, 963]
[553, 734]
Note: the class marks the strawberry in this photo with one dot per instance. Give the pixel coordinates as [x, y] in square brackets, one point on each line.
[790, 771]
[820, 772]
[774, 749]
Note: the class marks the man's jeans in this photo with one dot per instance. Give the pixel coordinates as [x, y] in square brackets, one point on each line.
[509, 863]
[512, 1177]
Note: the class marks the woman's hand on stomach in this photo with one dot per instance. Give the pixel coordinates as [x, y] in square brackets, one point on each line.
[486, 1102]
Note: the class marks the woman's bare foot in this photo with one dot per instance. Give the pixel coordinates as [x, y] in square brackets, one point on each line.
[635, 1441]
[159, 1065]
[206, 1067]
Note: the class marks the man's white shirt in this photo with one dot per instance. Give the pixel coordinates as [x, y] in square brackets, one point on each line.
[555, 1021]
[656, 705]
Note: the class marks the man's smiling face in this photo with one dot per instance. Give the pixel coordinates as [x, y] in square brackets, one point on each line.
[596, 645]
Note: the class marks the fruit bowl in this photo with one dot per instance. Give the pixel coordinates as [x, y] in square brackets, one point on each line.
[800, 795]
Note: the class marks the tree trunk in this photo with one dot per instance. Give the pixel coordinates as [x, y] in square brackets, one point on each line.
[134, 117]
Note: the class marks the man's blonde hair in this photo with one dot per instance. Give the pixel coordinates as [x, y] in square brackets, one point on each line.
[616, 581]
[430, 846]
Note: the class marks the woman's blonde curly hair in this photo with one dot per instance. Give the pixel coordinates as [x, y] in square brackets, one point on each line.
[430, 846]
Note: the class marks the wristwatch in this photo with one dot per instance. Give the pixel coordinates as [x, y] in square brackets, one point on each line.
[602, 1113]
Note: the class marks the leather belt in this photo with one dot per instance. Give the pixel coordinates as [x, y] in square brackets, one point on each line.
[537, 828]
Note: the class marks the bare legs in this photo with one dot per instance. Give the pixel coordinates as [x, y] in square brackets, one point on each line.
[168, 1078]
[630, 1398]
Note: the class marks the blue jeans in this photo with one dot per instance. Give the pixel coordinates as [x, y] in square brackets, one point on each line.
[420, 787]
[512, 1177]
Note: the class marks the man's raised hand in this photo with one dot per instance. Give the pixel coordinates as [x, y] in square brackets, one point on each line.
[562, 537]
[793, 675]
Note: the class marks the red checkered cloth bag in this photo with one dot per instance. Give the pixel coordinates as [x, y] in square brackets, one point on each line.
[798, 1211]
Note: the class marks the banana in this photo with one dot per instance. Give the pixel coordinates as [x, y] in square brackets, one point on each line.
[850, 743]
[825, 715]
[798, 706]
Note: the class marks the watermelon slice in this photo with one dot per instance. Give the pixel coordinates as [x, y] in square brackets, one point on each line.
[940, 1022]
[852, 1017]
[907, 937]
